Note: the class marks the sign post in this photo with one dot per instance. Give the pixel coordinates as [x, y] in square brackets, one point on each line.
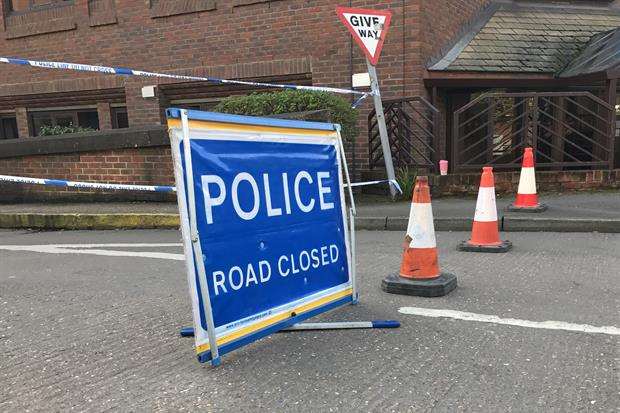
[369, 29]
[385, 142]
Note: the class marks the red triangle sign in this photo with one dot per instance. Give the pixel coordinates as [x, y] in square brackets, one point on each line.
[368, 27]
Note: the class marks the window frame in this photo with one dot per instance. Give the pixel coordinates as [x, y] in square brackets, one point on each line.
[114, 111]
[203, 104]
[4, 116]
[57, 113]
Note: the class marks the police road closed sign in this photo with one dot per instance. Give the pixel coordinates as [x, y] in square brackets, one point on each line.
[368, 27]
[270, 223]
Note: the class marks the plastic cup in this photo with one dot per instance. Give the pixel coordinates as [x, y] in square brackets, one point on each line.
[443, 167]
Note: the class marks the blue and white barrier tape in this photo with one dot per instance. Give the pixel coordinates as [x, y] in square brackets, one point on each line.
[91, 185]
[384, 181]
[122, 187]
[132, 72]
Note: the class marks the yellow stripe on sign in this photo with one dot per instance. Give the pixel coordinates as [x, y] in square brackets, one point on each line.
[275, 319]
[199, 124]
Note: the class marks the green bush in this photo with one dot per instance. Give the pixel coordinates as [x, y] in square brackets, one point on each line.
[289, 101]
[405, 177]
[48, 130]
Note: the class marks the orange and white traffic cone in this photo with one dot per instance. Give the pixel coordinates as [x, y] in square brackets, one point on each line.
[419, 271]
[527, 199]
[484, 232]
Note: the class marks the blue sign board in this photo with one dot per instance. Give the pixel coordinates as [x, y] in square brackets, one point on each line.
[263, 216]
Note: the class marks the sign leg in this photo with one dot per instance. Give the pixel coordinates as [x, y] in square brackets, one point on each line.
[353, 257]
[338, 325]
[344, 325]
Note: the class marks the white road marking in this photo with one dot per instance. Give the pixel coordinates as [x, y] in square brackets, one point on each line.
[92, 250]
[484, 318]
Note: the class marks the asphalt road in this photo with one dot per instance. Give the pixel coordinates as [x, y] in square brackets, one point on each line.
[95, 332]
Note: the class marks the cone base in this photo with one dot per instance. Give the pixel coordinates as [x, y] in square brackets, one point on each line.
[535, 208]
[433, 287]
[503, 246]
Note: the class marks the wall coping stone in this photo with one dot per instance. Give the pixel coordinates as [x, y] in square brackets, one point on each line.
[142, 137]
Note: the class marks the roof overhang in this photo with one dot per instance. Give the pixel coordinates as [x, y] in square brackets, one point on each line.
[599, 57]
[535, 37]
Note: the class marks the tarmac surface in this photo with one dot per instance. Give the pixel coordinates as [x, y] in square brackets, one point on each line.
[96, 332]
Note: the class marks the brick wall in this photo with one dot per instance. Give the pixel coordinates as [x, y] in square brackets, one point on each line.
[444, 21]
[224, 38]
[140, 166]
[552, 181]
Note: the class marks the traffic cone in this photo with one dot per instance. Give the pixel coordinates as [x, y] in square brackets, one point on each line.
[484, 232]
[419, 271]
[527, 199]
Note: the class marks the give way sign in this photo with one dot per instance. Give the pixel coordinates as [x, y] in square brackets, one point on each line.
[368, 27]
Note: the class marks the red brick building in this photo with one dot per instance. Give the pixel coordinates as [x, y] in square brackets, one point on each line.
[293, 41]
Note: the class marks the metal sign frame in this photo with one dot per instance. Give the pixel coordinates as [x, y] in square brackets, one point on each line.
[179, 128]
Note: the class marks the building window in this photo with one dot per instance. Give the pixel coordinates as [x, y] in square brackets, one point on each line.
[27, 5]
[119, 118]
[8, 127]
[195, 104]
[86, 118]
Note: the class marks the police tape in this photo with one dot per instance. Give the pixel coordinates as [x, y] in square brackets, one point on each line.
[146, 188]
[392, 182]
[90, 185]
[132, 72]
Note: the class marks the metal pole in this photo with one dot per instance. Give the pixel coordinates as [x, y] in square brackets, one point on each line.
[338, 325]
[195, 240]
[352, 213]
[385, 143]
[353, 274]
[344, 325]
[346, 170]
[612, 85]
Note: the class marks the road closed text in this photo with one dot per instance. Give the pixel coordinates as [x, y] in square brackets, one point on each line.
[287, 265]
[285, 194]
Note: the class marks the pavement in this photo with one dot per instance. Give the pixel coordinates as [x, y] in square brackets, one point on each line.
[83, 330]
[561, 205]
[568, 212]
